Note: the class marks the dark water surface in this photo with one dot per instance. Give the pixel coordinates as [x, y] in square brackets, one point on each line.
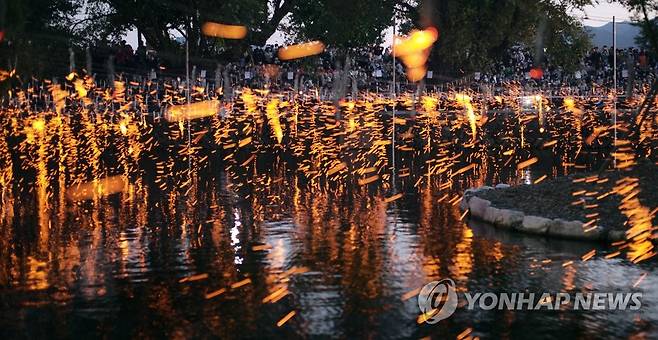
[342, 261]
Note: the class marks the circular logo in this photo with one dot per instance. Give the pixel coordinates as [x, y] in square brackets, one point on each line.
[437, 301]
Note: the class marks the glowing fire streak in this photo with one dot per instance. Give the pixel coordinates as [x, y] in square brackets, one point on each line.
[272, 112]
[192, 111]
[465, 101]
[97, 188]
[301, 50]
[217, 30]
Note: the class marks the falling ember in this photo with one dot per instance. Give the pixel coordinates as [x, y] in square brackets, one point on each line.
[216, 30]
[80, 88]
[39, 125]
[261, 247]
[536, 73]
[202, 109]
[414, 50]
[393, 198]
[272, 112]
[410, 294]
[97, 188]
[241, 283]
[286, 318]
[465, 333]
[276, 295]
[426, 316]
[589, 255]
[527, 163]
[59, 97]
[368, 180]
[637, 283]
[539, 101]
[5, 74]
[301, 50]
[416, 73]
[244, 142]
[192, 278]
[465, 101]
[416, 41]
[215, 293]
[337, 168]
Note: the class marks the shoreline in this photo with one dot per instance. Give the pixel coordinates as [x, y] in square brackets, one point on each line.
[585, 206]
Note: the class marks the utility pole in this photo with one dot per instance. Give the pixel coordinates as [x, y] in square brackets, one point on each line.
[614, 86]
[394, 101]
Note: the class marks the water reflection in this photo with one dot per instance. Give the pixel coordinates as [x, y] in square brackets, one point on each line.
[141, 263]
[307, 230]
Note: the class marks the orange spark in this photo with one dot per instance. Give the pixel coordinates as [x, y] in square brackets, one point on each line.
[527, 163]
[286, 318]
[202, 109]
[102, 187]
[301, 50]
[213, 29]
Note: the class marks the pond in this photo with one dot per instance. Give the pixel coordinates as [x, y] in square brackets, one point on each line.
[213, 262]
[283, 219]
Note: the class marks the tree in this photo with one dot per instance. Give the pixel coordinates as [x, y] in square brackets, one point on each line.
[644, 10]
[158, 20]
[341, 23]
[476, 33]
[566, 40]
[36, 32]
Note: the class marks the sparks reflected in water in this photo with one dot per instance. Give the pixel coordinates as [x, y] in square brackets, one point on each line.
[283, 218]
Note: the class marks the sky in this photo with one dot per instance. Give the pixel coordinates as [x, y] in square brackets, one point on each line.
[602, 14]
[598, 15]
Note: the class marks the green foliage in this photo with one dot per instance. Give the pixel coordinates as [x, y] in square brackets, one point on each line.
[158, 20]
[473, 33]
[566, 40]
[343, 23]
[645, 12]
[643, 40]
[36, 32]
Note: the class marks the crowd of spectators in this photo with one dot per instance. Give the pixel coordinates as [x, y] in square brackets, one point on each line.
[595, 71]
[372, 68]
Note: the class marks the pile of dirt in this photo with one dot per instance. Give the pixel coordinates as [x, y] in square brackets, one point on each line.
[557, 198]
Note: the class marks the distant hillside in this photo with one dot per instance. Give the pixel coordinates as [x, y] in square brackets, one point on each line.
[626, 33]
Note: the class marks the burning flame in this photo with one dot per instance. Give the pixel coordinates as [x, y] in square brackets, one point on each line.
[465, 101]
[301, 50]
[102, 187]
[213, 29]
[414, 50]
[192, 111]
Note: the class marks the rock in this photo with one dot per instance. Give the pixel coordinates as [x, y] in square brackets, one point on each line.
[481, 209]
[463, 205]
[472, 191]
[573, 230]
[478, 207]
[491, 215]
[535, 224]
[506, 218]
[616, 235]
